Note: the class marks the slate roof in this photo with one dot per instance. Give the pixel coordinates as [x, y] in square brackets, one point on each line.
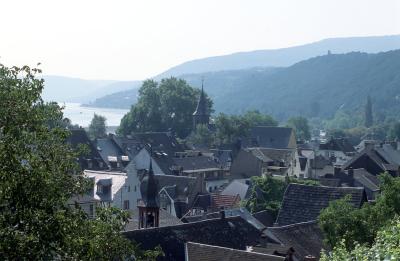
[182, 185]
[196, 163]
[306, 238]
[242, 212]
[385, 158]
[80, 137]
[303, 203]
[166, 219]
[236, 188]
[107, 147]
[266, 217]
[230, 232]
[366, 179]
[202, 252]
[271, 137]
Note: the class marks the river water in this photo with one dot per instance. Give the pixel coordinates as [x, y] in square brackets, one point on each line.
[83, 115]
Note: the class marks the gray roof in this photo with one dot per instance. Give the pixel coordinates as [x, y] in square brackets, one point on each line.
[271, 137]
[236, 188]
[197, 163]
[266, 217]
[202, 252]
[366, 179]
[242, 212]
[230, 232]
[303, 203]
[306, 238]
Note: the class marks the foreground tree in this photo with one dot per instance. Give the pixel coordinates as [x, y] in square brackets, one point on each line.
[267, 192]
[233, 127]
[386, 246]
[97, 127]
[38, 175]
[162, 106]
[342, 222]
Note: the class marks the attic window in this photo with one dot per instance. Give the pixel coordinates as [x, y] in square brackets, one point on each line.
[112, 159]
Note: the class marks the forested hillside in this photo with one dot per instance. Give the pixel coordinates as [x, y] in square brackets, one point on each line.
[315, 87]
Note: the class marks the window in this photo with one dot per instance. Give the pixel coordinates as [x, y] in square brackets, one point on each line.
[134, 188]
[129, 189]
[209, 189]
[126, 204]
[99, 189]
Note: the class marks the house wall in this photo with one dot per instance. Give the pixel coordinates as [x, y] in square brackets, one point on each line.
[215, 184]
[245, 165]
[132, 192]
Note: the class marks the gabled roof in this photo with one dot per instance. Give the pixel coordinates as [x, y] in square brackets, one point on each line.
[266, 217]
[385, 157]
[178, 187]
[231, 232]
[107, 147]
[306, 238]
[242, 212]
[79, 137]
[303, 203]
[196, 163]
[236, 188]
[203, 252]
[271, 137]
[365, 178]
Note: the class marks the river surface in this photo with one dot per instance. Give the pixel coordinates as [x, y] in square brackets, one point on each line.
[83, 115]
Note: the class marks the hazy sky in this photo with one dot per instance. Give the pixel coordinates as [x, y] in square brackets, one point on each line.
[123, 40]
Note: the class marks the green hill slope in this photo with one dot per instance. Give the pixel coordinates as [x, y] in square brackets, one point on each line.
[315, 87]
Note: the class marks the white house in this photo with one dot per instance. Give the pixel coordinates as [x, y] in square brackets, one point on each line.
[116, 188]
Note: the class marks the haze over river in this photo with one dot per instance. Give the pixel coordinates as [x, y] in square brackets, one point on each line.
[83, 115]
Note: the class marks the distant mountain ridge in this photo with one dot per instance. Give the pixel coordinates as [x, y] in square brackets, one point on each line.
[286, 56]
[70, 89]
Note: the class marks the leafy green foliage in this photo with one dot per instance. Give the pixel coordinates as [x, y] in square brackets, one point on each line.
[97, 127]
[267, 192]
[386, 246]
[342, 222]
[232, 127]
[202, 136]
[38, 174]
[163, 106]
[300, 125]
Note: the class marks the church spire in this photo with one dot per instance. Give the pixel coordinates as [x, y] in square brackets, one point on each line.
[148, 207]
[201, 115]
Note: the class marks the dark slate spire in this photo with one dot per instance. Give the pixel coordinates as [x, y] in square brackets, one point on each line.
[149, 187]
[201, 108]
[201, 115]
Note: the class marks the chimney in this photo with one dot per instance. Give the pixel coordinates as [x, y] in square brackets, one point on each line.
[336, 171]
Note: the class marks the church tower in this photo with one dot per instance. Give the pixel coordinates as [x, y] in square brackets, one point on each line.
[201, 115]
[149, 210]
